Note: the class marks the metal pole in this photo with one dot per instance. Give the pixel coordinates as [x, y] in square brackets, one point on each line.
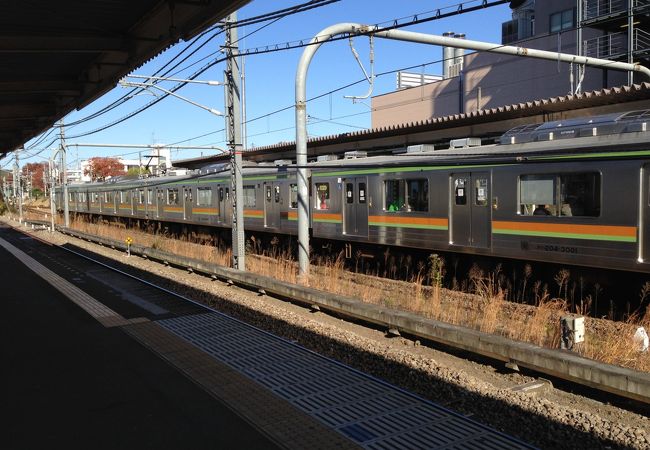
[401, 35]
[579, 50]
[52, 205]
[630, 40]
[243, 103]
[15, 182]
[233, 105]
[64, 169]
[20, 188]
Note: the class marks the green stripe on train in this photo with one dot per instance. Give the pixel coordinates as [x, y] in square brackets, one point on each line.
[408, 225]
[595, 237]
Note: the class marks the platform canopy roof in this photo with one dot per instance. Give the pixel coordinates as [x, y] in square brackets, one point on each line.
[60, 55]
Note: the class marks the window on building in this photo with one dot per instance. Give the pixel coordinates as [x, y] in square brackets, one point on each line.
[406, 195]
[563, 195]
[172, 196]
[250, 200]
[509, 31]
[322, 196]
[293, 196]
[562, 20]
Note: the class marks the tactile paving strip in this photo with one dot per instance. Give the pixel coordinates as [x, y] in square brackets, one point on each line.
[368, 411]
[99, 311]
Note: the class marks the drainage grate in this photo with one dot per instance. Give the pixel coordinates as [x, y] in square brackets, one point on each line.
[366, 410]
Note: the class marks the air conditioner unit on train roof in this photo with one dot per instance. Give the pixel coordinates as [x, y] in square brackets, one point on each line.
[420, 148]
[353, 154]
[465, 142]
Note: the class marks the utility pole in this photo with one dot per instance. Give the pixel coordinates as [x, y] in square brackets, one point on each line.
[19, 188]
[233, 109]
[52, 205]
[66, 210]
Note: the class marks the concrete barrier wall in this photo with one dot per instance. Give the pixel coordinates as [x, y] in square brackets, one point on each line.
[560, 363]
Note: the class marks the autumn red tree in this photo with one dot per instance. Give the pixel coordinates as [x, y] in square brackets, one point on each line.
[36, 171]
[100, 168]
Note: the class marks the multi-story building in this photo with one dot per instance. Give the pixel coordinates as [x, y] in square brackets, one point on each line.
[618, 30]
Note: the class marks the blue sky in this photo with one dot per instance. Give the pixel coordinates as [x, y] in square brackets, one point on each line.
[270, 78]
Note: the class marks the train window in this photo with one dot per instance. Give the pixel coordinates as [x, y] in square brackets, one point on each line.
[250, 200]
[125, 196]
[149, 196]
[94, 197]
[580, 194]
[204, 196]
[394, 195]
[268, 194]
[564, 195]
[460, 191]
[349, 192]
[417, 195]
[481, 194]
[220, 194]
[172, 196]
[537, 195]
[141, 196]
[277, 194]
[293, 196]
[323, 196]
[406, 195]
[362, 192]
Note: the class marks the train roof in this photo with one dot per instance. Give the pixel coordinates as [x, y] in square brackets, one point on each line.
[612, 132]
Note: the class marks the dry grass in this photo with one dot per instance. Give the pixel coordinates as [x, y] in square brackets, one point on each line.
[484, 308]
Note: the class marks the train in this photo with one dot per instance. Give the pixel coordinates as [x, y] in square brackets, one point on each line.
[574, 192]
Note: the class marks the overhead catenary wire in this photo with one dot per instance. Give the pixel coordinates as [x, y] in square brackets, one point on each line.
[273, 16]
[435, 15]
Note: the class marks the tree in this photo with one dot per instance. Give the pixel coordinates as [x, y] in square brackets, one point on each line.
[135, 171]
[101, 168]
[36, 171]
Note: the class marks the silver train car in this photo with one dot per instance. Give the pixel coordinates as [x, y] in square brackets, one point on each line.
[573, 192]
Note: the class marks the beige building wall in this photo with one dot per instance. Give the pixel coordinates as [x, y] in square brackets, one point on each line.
[491, 80]
[441, 98]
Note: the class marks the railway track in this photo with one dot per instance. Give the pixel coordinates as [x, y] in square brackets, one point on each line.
[402, 373]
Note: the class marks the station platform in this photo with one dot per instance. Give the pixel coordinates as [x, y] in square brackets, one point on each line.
[92, 360]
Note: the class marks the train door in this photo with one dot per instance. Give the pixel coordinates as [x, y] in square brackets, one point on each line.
[355, 206]
[644, 215]
[187, 203]
[469, 209]
[272, 203]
